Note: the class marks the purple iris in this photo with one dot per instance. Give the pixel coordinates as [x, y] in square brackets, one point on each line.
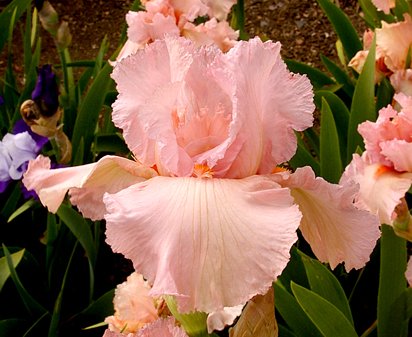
[46, 92]
[16, 149]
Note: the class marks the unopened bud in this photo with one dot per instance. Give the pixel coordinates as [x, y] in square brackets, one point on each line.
[49, 18]
[64, 37]
[402, 224]
[46, 91]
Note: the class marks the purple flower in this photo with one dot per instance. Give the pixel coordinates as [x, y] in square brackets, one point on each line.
[46, 92]
[21, 126]
[15, 152]
[1, 100]
[16, 149]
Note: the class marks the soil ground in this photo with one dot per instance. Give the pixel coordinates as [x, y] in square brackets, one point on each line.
[300, 25]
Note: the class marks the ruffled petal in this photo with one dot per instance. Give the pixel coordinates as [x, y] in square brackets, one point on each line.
[381, 188]
[271, 103]
[218, 320]
[86, 184]
[134, 308]
[139, 79]
[335, 229]
[213, 243]
[144, 27]
[219, 9]
[399, 152]
[402, 81]
[395, 40]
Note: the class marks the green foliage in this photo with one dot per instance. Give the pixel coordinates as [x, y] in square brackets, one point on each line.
[327, 318]
[330, 161]
[343, 28]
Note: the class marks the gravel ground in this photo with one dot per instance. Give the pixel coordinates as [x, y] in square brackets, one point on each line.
[300, 25]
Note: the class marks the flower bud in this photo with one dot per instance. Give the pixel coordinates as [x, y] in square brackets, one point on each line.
[64, 37]
[46, 92]
[402, 224]
[48, 17]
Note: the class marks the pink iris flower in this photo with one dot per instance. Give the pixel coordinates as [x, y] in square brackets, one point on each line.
[134, 307]
[393, 43]
[201, 210]
[176, 18]
[384, 171]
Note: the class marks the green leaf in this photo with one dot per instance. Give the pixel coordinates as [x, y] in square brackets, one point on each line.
[392, 284]
[17, 6]
[363, 103]
[51, 237]
[312, 138]
[88, 115]
[293, 314]
[194, 323]
[12, 327]
[370, 13]
[316, 77]
[111, 143]
[325, 284]
[30, 82]
[408, 296]
[54, 324]
[238, 19]
[330, 161]
[340, 115]
[12, 201]
[32, 306]
[102, 307]
[23, 208]
[4, 268]
[384, 94]
[343, 28]
[303, 157]
[27, 42]
[340, 75]
[80, 229]
[326, 317]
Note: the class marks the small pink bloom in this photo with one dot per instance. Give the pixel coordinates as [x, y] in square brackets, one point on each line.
[211, 32]
[388, 141]
[380, 187]
[401, 81]
[358, 61]
[134, 307]
[395, 39]
[336, 230]
[384, 5]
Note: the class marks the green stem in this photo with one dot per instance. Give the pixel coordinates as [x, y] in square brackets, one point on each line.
[392, 283]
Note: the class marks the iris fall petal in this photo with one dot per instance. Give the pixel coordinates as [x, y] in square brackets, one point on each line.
[213, 243]
[86, 183]
[335, 229]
